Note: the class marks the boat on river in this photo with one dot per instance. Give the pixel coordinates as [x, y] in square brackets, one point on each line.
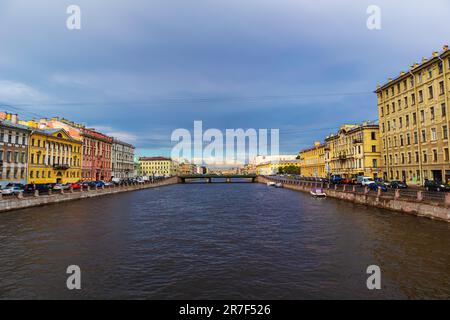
[278, 185]
[270, 184]
[318, 192]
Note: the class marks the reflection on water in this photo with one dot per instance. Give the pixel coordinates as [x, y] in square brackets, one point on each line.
[230, 241]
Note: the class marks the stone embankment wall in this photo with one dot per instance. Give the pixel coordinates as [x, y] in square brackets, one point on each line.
[419, 207]
[8, 203]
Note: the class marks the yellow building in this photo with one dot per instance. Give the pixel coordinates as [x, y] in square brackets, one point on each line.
[414, 118]
[354, 151]
[277, 166]
[312, 161]
[53, 157]
[157, 167]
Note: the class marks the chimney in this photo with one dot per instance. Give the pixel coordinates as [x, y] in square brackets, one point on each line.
[435, 54]
[402, 73]
[389, 79]
[424, 60]
[445, 48]
[14, 118]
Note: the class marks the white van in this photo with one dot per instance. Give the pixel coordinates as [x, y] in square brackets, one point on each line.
[366, 181]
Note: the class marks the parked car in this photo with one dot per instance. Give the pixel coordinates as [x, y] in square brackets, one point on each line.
[365, 181]
[336, 180]
[108, 183]
[13, 184]
[97, 184]
[76, 185]
[41, 187]
[377, 185]
[11, 190]
[60, 186]
[432, 185]
[346, 181]
[398, 185]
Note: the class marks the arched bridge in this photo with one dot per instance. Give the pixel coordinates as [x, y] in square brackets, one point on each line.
[218, 178]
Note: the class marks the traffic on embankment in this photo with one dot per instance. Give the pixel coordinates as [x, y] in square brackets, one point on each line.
[429, 204]
[22, 199]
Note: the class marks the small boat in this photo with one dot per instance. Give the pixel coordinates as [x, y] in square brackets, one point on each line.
[279, 185]
[318, 192]
[270, 184]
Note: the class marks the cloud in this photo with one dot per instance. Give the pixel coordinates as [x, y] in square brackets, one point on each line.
[121, 135]
[17, 92]
[142, 68]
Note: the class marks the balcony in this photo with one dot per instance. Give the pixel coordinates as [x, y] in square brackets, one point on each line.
[61, 166]
[356, 141]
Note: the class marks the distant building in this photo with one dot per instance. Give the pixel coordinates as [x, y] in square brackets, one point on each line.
[157, 167]
[122, 160]
[268, 165]
[14, 140]
[354, 151]
[312, 161]
[187, 168]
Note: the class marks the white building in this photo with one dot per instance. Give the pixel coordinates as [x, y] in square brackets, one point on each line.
[13, 151]
[122, 160]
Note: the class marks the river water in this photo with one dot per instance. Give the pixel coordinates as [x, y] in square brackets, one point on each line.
[220, 241]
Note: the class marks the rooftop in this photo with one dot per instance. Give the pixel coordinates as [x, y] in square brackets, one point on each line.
[154, 159]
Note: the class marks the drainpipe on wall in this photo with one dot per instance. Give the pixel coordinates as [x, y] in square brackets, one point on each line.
[419, 132]
[447, 107]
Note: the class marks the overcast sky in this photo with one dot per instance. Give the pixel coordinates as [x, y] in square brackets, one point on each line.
[138, 69]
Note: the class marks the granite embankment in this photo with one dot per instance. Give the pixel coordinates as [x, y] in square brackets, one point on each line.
[439, 210]
[8, 203]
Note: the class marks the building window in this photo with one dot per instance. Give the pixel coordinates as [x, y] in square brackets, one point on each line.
[430, 73]
[374, 148]
[430, 92]
[433, 134]
[8, 156]
[435, 155]
[424, 136]
[444, 132]
[415, 137]
[446, 155]
[432, 113]
[441, 88]
[373, 135]
[443, 112]
[422, 116]
[425, 156]
[440, 67]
